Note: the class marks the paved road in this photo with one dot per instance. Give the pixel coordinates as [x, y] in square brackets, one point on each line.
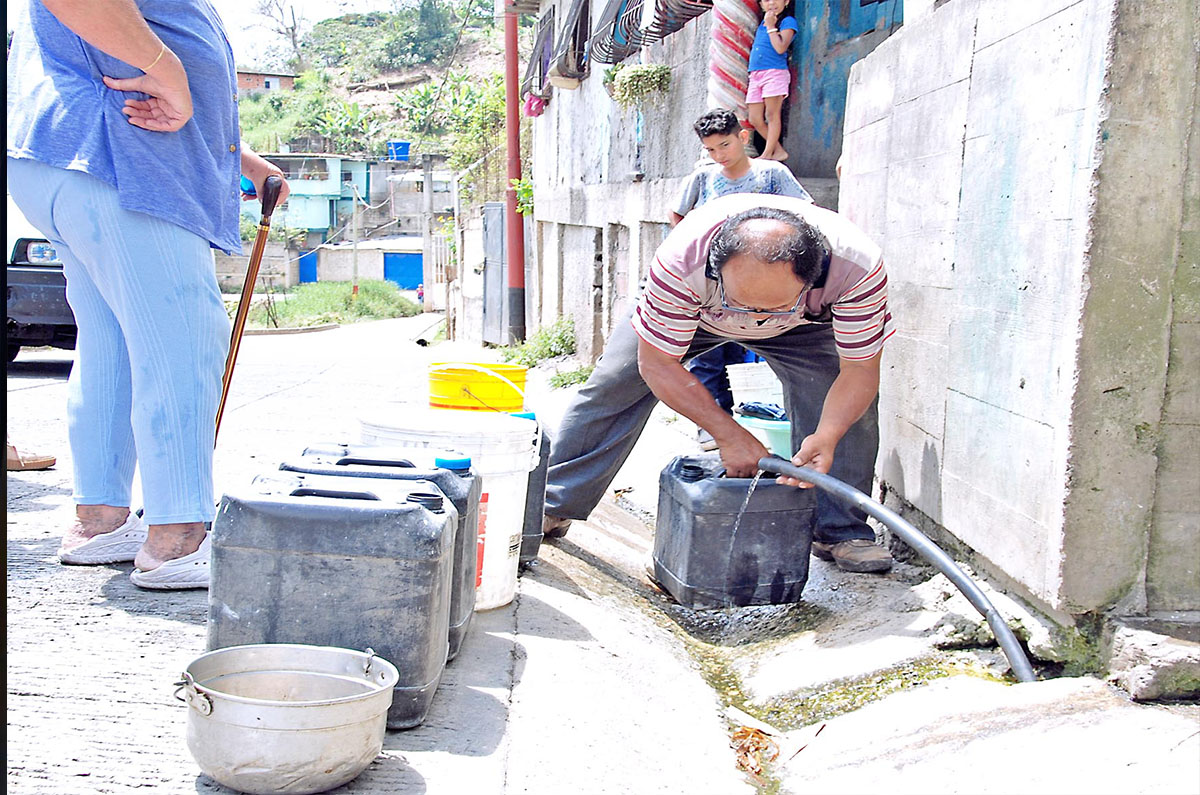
[568, 689]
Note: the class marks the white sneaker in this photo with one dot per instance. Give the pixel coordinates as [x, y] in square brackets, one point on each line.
[118, 546]
[180, 574]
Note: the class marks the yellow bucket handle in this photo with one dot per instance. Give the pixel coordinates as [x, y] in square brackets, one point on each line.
[472, 366]
[481, 369]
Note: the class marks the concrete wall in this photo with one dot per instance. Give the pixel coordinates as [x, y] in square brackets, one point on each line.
[1025, 167]
[337, 265]
[279, 269]
[604, 182]
[1136, 446]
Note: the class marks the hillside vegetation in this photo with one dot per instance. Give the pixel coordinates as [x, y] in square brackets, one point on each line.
[449, 56]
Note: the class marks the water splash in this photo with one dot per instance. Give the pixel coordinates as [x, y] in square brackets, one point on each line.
[737, 521]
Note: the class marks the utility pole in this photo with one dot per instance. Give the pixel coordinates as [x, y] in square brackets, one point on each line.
[427, 233]
[514, 223]
[354, 250]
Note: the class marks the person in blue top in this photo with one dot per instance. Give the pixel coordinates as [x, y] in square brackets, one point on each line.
[770, 79]
[124, 150]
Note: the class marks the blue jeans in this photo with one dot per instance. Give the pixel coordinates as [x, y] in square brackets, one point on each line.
[605, 418]
[152, 339]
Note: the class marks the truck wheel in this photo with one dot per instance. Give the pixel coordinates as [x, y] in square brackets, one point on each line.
[13, 350]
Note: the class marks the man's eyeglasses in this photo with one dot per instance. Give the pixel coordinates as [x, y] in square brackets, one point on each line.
[747, 310]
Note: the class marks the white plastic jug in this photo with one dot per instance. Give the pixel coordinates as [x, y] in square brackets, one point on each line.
[503, 449]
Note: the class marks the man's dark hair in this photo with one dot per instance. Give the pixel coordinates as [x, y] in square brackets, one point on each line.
[717, 122]
[801, 245]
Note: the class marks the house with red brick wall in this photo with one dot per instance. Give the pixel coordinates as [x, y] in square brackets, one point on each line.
[254, 82]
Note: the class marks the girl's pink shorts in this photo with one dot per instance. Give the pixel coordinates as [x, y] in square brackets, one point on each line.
[768, 83]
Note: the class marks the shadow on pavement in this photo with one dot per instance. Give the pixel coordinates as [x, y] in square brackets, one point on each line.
[188, 607]
[469, 713]
[29, 491]
[389, 772]
[546, 573]
[535, 617]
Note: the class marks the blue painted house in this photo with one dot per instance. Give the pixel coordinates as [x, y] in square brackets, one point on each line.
[322, 195]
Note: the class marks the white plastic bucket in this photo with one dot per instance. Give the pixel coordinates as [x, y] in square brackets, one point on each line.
[754, 382]
[503, 449]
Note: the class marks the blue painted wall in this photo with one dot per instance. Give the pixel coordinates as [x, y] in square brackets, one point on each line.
[403, 268]
[833, 35]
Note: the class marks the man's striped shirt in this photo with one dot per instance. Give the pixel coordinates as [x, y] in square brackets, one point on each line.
[679, 297]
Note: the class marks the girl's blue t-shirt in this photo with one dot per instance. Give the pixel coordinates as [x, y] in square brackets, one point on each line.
[762, 54]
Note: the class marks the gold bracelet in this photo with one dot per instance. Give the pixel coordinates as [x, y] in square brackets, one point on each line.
[154, 63]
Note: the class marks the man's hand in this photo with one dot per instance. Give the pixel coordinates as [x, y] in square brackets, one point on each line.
[816, 453]
[170, 104]
[671, 383]
[848, 398]
[740, 453]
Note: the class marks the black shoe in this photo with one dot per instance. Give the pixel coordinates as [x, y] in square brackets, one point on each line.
[555, 526]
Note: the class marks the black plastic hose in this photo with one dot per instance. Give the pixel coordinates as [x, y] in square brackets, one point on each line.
[921, 543]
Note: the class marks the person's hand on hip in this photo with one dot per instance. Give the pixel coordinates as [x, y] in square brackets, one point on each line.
[170, 104]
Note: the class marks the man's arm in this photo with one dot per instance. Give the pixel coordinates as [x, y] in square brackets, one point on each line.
[116, 27]
[675, 218]
[848, 398]
[671, 383]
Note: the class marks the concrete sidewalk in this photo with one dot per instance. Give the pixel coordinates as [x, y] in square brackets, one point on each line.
[591, 681]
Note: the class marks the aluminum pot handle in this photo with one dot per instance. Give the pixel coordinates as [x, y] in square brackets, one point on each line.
[195, 699]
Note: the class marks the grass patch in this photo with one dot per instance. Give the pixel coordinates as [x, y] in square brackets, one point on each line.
[571, 377]
[548, 342]
[318, 303]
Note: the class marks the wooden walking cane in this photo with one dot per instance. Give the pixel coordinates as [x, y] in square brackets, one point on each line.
[270, 195]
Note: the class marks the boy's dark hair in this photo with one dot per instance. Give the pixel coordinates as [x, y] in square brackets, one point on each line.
[717, 122]
[802, 245]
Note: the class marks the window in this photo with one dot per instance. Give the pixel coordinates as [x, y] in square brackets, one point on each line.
[537, 72]
[570, 54]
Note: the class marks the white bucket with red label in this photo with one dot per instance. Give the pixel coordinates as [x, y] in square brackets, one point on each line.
[503, 450]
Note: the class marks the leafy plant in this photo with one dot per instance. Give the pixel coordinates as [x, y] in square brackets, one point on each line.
[331, 302]
[610, 74]
[557, 339]
[524, 189]
[632, 84]
[571, 377]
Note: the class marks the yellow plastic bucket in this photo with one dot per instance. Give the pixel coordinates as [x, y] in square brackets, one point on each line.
[477, 386]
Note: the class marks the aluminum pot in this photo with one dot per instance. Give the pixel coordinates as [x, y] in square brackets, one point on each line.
[286, 718]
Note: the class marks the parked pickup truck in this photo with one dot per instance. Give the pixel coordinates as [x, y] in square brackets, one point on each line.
[38, 313]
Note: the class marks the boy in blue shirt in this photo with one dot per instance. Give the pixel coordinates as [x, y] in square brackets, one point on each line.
[732, 171]
[770, 79]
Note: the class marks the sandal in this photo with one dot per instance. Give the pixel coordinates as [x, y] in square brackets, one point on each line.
[22, 461]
